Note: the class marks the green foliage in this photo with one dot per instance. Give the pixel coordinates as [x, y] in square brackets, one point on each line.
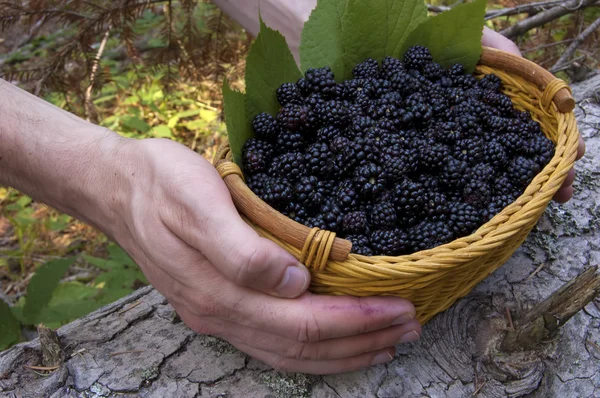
[269, 64]
[10, 328]
[453, 36]
[41, 287]
[238, 128]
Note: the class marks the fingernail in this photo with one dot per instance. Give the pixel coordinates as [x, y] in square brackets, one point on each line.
[382, 358]
[409, 337]
[294, 283]
[402, 319]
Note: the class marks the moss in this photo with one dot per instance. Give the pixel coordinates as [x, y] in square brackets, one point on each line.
[220, 347]
[292, 385]
[150, 373]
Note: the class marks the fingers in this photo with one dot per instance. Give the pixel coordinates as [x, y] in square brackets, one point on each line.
[494, 39]
[580, 148]
[313, 318]
[563, 195]
[319, 367]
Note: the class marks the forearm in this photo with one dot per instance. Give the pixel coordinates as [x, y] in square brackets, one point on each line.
[286, 16]
[58, 158]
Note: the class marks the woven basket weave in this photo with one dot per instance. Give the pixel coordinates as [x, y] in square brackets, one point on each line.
[432, 279]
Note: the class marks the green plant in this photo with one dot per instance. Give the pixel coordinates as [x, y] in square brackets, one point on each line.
[54, 303]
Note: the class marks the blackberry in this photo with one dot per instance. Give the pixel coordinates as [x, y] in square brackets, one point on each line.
[417, 57]
[399, 161]
[265, 126]
[328, 133]
[390, 66]
[454, 173]
[318, 159]
[490, 82]
[290, 141]
[277, 191]
[369, 180]
[433, 71]
[513, 142]
[446, 132]
[346, 195]
[256, 155]
[383, 215]
[296, 211]
[339, 144]
[541, 149]
[333, 113]
[389, 242]
[309, 191]
[495, 154]
[418, 107]
[317, 221]
[436, 205]
[428, 234]
[333, 215]
[503, 185]
[481, 172]
[290, 166]
[355, 222]
[464, 218]
[521, 170]
[470, 150]
[477, 193]
[367, 69]
[433, 156]
[320, 80]
[409, 199]
[295, 117]
[497, 204]
[289, 93]
[360, 244]
[455, 70]
[257, 183]
[499, 101]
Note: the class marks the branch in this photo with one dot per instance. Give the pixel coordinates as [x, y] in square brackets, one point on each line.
[89, 106]
[547, 16]
[576, 43]
[530, 8]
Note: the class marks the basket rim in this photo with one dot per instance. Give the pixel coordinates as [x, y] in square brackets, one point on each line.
[539, 192]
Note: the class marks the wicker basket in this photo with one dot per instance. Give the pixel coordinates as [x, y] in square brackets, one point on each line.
[432, 279]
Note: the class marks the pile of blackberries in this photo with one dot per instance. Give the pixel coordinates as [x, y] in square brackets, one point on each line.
[404, 157]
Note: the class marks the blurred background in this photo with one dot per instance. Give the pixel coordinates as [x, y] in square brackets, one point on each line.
[154, 69]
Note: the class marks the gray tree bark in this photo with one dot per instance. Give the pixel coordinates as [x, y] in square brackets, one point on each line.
[136, 347]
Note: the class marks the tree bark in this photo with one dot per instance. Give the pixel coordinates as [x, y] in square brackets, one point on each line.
[137, 347]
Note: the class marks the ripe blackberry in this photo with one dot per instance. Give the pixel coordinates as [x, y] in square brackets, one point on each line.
[355, 222]
[481, 172]
[521, 170]
[417, 105]
[367, 69]
[290, 141]
[446, 132]
[290, 166]
[328, 133]
[296, 211]
[295, 117]
[289, 93]
[436, 205]
[433, 71]
[399, 161]
[499, 101]
[317, 221]
[333, 113]
[409, 199]
[406, 84]
[513, 142]
[318, 159]
[454, 173]
[470, 150]
[310, 192]
[428, 234]
[256, 155]
[265, 126]
[541, 149]
[464, 218]
[320, 80]
[369, 180]
[390, 66]
[383, 215]
[495, 154]
[389, 242]
[257, 183]
[497, 204]
[277, 191]
[333, 215]
[477, 193]
[417, 57]
[346, 195]
[455, 70]
[339, 144]
[503, 185]
[360, 244]
[490, 82]
[433, 156]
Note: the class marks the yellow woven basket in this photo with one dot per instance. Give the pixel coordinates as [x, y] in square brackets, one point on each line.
[432, 279]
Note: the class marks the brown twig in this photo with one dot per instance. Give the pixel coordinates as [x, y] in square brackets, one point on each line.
[534, 273]
[132, 306]
[90, 111]
[509, 319]
[576, 43]
[529, 8]
[546, 16]
[46, 368]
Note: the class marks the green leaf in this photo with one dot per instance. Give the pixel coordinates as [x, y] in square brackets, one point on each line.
[135, 123]
[161, 131]
[321, 43]
[453, 36]
[41, 287]
[374, 29]
[238, 129]
[10, 328]
[269, 64]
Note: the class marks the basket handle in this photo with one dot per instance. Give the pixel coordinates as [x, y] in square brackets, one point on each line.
[316, 245]
[552, 87]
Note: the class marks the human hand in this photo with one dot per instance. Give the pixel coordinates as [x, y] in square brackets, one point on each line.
[494, 39]
[180, 225]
